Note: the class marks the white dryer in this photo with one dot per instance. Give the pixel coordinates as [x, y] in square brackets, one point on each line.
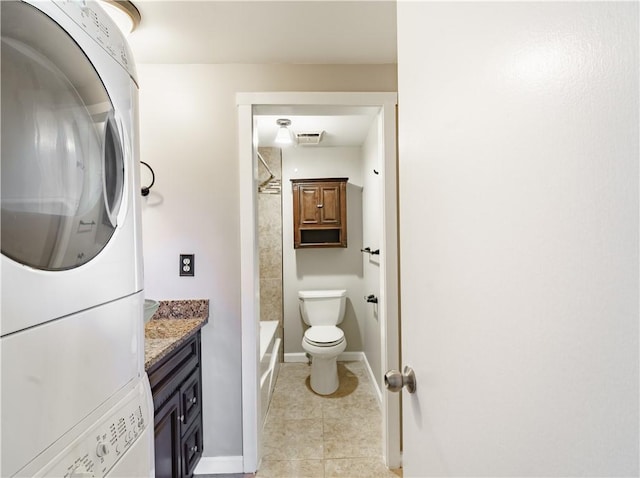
[72, 332]
[70, 234]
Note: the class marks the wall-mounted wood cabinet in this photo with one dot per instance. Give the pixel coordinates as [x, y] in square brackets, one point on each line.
[319, 212]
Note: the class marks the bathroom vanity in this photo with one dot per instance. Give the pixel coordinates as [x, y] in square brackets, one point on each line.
[319, 212]
[173, 364]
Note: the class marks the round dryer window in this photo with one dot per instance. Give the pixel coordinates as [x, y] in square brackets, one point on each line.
[62, 160]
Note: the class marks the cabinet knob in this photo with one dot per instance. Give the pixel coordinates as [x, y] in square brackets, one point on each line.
[181, 418]
[319, 205]
[194, 449]
[193, 400]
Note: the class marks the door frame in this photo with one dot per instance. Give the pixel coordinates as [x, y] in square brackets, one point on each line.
[389, 312]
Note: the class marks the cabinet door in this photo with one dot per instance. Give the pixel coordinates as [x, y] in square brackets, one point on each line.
[329, 206]
[310, 203]
[167, 439]
[191, 448]
[190, 398]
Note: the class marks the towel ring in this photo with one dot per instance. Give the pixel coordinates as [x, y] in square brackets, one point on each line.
[145, 189]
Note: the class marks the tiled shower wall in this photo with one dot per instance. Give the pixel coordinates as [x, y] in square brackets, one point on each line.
[270, 240]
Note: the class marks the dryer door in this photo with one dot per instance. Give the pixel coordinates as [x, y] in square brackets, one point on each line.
[62, 158]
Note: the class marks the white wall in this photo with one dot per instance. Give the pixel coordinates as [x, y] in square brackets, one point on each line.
[330, 268]
[188, 135]
[518, 150]
[372, 237]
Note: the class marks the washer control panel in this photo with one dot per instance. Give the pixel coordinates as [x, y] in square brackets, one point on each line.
[100, 447]
[93, 20]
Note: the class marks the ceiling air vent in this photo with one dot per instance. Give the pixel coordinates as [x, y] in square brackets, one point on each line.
[309, 138]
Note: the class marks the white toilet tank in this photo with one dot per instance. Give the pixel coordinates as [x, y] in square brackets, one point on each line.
[322, 307]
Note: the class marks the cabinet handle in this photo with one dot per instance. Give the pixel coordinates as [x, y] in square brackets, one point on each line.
[193, 400]
[181, 418]
[319, 205]
[194, 449]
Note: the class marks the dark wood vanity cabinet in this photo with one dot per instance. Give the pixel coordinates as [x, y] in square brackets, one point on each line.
[177, 400]
[319, 212]
[167, 438]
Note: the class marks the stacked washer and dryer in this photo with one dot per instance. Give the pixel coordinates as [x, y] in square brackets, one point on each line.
[75, 397]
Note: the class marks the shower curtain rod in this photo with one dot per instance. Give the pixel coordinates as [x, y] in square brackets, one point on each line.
[264, 163]
[272, 176]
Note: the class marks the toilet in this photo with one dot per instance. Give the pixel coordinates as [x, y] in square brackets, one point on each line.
[323, 310]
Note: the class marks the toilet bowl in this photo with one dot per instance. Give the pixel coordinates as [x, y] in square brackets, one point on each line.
[323, 310]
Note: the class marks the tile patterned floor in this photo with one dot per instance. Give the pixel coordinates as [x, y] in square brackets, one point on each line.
[312, 436]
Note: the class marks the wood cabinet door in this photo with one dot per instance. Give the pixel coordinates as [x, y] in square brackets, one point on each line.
[330, 203]
[190, 397]
[191, 448]
[167, 439]
[309, 200]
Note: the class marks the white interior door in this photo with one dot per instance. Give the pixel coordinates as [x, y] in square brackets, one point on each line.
[518, 173]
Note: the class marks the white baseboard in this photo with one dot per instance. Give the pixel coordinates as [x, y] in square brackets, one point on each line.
[296, 357]
[301, 357]
[351, 357]
[218, 465]
[372, 378]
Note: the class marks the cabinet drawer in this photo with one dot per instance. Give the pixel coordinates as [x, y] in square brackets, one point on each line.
[191, 398]
[191, 448]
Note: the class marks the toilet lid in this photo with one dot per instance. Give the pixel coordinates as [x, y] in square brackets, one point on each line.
[324, 335]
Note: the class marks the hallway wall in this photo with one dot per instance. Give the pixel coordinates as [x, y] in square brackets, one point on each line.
[372, 237]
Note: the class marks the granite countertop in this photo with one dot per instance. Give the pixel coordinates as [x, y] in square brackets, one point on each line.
[173, 324]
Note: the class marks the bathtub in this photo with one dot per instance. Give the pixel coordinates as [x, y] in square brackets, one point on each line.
[269, 363]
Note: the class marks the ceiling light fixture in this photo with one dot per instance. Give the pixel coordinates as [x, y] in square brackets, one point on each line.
[284, 135]
[123, 13]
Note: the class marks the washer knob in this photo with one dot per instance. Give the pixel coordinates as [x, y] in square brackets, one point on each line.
[102, 449]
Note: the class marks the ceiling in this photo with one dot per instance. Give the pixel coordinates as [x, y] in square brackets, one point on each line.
[274, 32]
[341, 126]
[239, 31]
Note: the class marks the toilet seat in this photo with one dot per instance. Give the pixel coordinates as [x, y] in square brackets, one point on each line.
[324, 335]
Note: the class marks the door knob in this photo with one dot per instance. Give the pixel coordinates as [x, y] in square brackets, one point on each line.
[394, 380]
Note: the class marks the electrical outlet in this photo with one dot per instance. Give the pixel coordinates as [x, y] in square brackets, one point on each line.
[187, 265]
